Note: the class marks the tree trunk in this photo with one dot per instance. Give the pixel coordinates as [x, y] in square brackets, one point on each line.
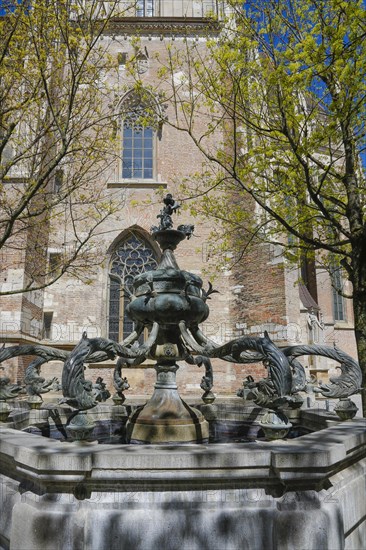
[359, 304]
[359, 307]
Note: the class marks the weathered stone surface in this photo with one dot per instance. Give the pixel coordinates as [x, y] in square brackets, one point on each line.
[296, 494]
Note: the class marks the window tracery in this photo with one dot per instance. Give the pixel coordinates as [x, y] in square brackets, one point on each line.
[138, 138]
[131, 257]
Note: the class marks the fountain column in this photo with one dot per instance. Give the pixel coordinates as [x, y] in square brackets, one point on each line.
[166, 418]
[165, 297]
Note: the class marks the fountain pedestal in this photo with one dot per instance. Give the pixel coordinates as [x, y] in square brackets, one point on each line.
[166, 418]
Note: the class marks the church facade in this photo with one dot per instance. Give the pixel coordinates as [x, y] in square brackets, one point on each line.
[261, 293]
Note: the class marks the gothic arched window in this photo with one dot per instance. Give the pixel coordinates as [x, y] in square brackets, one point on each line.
[138, 139]
[131, 257]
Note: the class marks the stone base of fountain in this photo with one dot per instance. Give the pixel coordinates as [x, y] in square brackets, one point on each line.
[307, 492]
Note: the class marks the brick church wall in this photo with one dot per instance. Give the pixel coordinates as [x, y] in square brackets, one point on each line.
[257, 294]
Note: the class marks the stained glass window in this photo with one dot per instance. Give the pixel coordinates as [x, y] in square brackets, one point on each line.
[131, 257]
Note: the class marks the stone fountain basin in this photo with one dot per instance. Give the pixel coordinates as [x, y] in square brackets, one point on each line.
[228, 423]
[307, 493]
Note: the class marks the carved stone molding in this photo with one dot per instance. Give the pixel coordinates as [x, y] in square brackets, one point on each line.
[162, 26]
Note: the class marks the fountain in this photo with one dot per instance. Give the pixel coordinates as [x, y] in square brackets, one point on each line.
[168, 487]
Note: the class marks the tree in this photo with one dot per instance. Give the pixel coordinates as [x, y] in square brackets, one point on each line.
[286, 82]
[56, 136]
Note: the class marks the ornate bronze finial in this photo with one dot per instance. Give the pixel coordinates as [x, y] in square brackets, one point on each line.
[165, 215]
[166, 221]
